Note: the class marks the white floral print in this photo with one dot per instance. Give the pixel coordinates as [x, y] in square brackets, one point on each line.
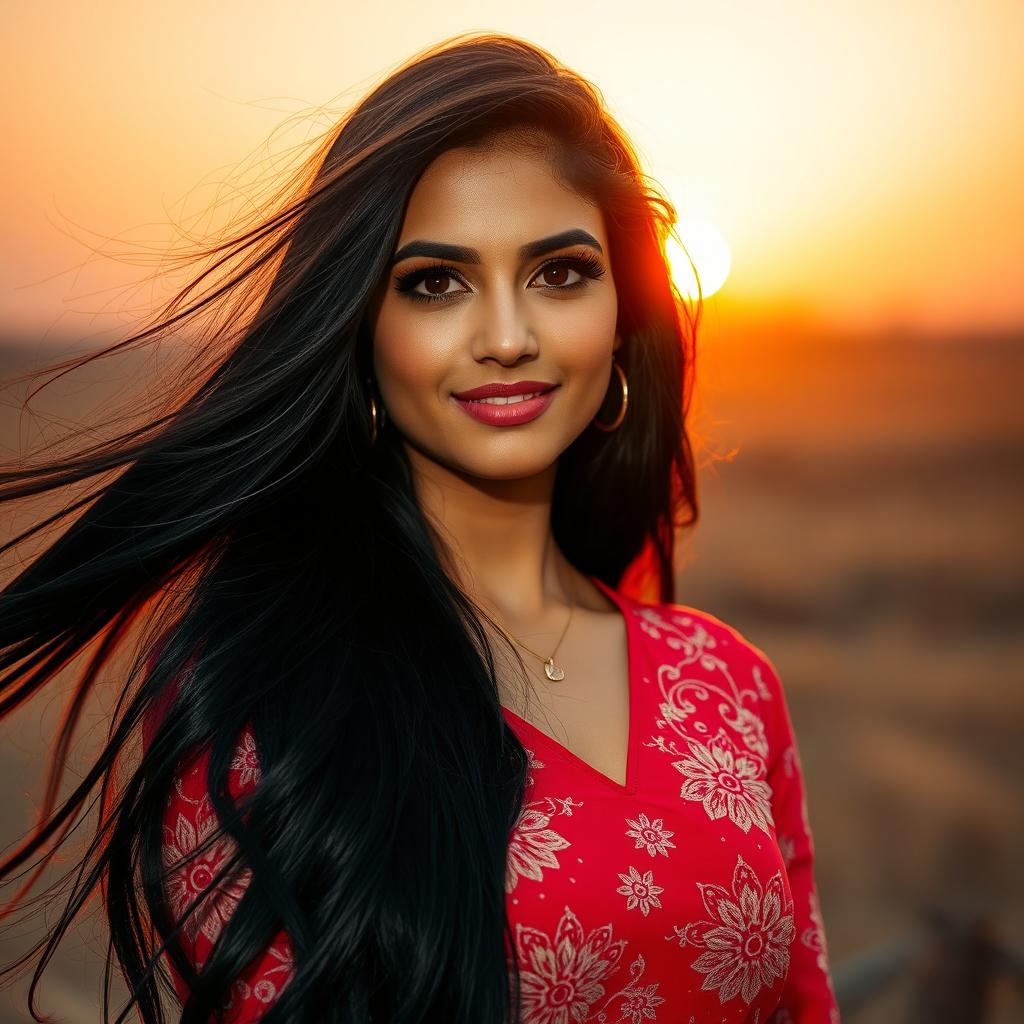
[746, 936]
[641, 890]
[692, 664]
[728, 782]
[191, 879]
[533, 845]
[189, 820]
[651, 835]
[562, 975]
[272, 978]
[245, 762]
[638, 1002]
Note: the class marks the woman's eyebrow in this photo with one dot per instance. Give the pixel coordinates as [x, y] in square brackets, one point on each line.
[463, 254]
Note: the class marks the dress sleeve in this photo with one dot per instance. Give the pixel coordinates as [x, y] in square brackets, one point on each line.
[189, 818]
[808, 996]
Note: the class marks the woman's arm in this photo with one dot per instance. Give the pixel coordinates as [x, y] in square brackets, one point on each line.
[808, 996]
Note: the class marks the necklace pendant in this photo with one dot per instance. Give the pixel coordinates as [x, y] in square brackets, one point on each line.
[552, 671]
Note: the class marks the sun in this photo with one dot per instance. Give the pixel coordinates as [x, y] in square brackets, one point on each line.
[708, 251]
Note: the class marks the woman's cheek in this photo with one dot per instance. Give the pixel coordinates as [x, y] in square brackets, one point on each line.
[411, 377]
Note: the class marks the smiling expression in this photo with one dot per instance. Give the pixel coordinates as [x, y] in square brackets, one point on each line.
[500, 275]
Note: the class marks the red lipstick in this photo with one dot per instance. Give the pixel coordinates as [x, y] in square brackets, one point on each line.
[506, 413]
[520, 387]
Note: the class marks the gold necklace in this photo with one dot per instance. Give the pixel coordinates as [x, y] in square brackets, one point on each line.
[551, 670]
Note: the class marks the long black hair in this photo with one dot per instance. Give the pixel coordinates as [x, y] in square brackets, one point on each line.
[257, 538]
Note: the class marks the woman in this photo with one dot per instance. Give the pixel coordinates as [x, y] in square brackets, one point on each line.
[425, 736]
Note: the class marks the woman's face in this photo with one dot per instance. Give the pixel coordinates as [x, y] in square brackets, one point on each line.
[528, 297]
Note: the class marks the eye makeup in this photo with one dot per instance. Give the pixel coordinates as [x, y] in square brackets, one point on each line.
[584, 262]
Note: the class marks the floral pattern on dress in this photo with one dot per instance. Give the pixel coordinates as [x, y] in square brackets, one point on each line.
[192, 878]
[651, 835]
[637, 1001]
[562, 976]
[640, 890]
[746, 936]
[271, 976]
[727, 781]
[703, 676]
[190, 819]
[245, 762]
[813, 937]
[707, 710]
[567, 976]
[533, 845]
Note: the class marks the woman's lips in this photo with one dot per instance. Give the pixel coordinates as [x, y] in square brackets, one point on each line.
[510, 414]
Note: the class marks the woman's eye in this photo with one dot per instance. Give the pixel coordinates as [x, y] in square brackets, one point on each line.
[434, 280]
[584, 265]
[435, 285]
[554, 275]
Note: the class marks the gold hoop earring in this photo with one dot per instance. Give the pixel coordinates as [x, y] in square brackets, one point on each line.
[375, 416]
[623, 384]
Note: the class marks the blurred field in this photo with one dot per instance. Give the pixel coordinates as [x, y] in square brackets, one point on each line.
[865, 531]
[868, 535]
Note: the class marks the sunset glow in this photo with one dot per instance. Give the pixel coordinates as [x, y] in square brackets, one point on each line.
[705, 249]
[862, 167]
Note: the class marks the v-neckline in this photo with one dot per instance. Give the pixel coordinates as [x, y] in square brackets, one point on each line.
[631, 670]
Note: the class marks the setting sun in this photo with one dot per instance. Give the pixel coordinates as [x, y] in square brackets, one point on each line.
[708, 252]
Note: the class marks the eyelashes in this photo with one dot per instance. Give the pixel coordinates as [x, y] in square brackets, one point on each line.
[585, 263]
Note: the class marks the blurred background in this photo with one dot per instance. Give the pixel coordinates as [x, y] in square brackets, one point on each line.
[848, 178]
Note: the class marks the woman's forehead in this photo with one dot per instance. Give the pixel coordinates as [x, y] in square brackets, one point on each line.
[494, 202]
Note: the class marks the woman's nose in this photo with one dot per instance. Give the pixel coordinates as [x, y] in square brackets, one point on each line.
[503, 330]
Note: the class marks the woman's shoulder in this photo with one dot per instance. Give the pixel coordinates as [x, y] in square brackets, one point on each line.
[683, 641]
[672, 630]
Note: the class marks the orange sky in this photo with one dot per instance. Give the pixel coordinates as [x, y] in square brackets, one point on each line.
[863, 161]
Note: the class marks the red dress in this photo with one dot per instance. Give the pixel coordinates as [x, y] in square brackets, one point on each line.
[685, 896]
